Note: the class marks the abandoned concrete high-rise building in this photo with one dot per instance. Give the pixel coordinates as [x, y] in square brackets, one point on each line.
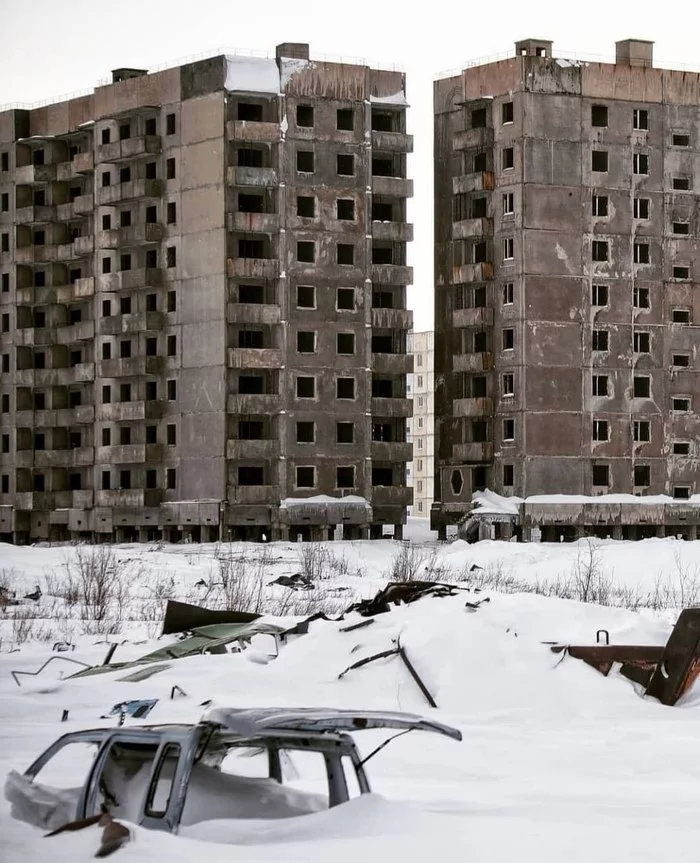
[567, 260]
[203, 304]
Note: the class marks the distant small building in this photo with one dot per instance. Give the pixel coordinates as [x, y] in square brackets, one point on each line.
[422, 424]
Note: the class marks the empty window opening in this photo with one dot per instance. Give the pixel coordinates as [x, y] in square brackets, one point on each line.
[306, 342]
[508, 429]
[508, 295]
[479, 162]
[642, 342]
[681, 361]
[251, 475]
[681, 272]
[478, 118]
[642, 475]
[600, 340]
[599, 295]
[508, 204]
[345, 299]
[248, 338]
[306, 387]
[171, 213]
[250, 112]
[600, 385]
[641, 386]
[682, 228]
[508, 384]
[600, 205]
[306, 252]
[345, 388]
[344, 120]
[306, 297]
[681, 184]
[345, 209]
[680, 316]
[508, 158]
[641, 208]
[345, 254]
[599, 161]
[600, 250]
[345, 165]
[599, 115]
[251, 249]
[382, 476]
[249, 157]
[681, 140]
[305, 116]
[641, 298]
[640, 119]
[125, 175]
[306, 432]
[345, 343]
[680, 404]
[642, 431]
[681, 492]
[681, 448]
[306, 206]
[305, 161]
[601, 475]
[305, 477]
[251, 203]
[508, 339]
[345, 432]
[640, 163]
[345, 477]
[506, 113]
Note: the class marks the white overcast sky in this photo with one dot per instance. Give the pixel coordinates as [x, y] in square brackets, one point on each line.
[50, 48]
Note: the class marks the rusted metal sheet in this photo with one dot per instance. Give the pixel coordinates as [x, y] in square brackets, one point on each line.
[666, 673]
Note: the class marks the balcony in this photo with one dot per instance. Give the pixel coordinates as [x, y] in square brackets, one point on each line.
[81, 163]
[391, 274]
[80, 289]
[397, 232]
[481, 181]
[391, 451]
[468, 228]
[249, 403]
[128, 498]
[241, 176]
[83, 205]
[83, 499]
[39, 501]
[254, 358]
[149, 232]
[130, 454]
[116, 325]
[59, 377]
[395, 187]
[131, 411]
[84, 247]
[47, 254]
[246, 130]
[130, 148]
[482, 272]
[392, 319]
[399, 407]
[471, 139]
[480, 407]
[473, 452]
[254, 494]
[132, 191]
[479, 317]
[28, 175]
[130, 367]
[481, 362]
[253, 449]
[253, 268]
[35, 215]
[130, 279]
[392, 364]
[254, 313]
[391, 495]
[260, 223]
[60, 418]
[393, 142]
[80, 457]
[84, 331]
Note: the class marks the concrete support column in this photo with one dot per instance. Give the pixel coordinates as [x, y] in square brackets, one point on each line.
[398, 531]
[364, 531]
[660, 531]
[442, 533]
[617, 531]
[579, 531]
[506, 530]
[143, 534]
[692, 532]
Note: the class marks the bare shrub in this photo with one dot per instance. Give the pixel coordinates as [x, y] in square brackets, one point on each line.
[23, 623]
[314, 561]
[590, 583]
[242, 580]
[411, 563]
[310, 602]
[102, 583]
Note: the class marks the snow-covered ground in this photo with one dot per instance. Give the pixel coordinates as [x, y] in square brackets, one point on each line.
[557, 761]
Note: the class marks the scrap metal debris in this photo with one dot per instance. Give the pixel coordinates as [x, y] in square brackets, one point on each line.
[137, 709]
[666, 673]
[298, 581]
[183, 617]
[401, 591]
[114, 835]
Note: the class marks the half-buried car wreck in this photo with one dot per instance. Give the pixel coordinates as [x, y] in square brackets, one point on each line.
[233, 764]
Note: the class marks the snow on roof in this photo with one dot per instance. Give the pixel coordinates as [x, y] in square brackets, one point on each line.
[289, 66]
[395, 99]
[252, 75]
[489, 503]
[323, 500]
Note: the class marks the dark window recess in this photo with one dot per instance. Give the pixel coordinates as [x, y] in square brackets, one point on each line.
[478, 208]
[306, 206]
[306, 252]
[4, 161]
[345, 165]
[170, 124]
[151, 391]
[681, 361]
[641, 253]
[125, 175]
[599, 115]
[39, 482]
[681, 184]
[305, 161]
[508, 474]
[250, 112]
[172, 346]
[600, 340]
[251, 249]
[171, 387]
[151, 478]
[681, 140]
[151, 126]
[479, 162]
[4, 202]
[151, 215]
[681, 228]
[171, 213]
[508, 158]
[171, 478]
[125, 392]
[106, 480]
[345, 477]
[306, 432]
[306, 342]
[125, 218]
[507, 112]
[125, 479]
[251, 475]
[305, 477]
[124, 131]
[344, 120]
[681, 272]
[680, 316]
[345, 254]
[4, 242]
[681, 448]
[252, 294]
[599, 251]
[170, 169]
[171, 256]
[345, 388]
[171, 301]
[345, 432]
[249, 157]
[383, 476]
[306, 387]
[306, 297]
[305, 116]
[250, 339]
[478, 118]
[106, 222]
[601, 475]
[151, 170]
[250, 203]
[345, 343]
[5, 283]
[345, 299]
[250, 430]
[599, 160]
[125, 262]
[5, 483]
[346, 209]
[151, 258]
[124, 436]
[251, 385]
[125, 306]
[642, 475]
[641, 387]
[107, 350]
